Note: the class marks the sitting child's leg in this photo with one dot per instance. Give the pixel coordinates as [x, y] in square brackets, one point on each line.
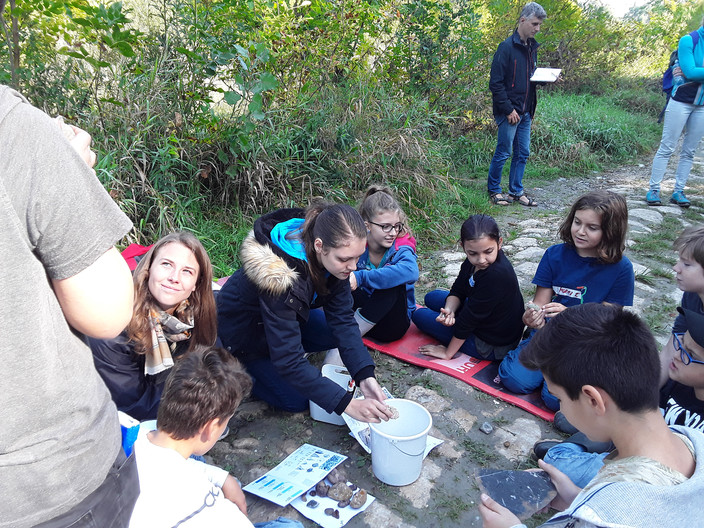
[550, 401]
[579, 465]
[515, 376]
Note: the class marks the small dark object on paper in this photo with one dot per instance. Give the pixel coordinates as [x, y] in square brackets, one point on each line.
[522, 492]
[312, 504]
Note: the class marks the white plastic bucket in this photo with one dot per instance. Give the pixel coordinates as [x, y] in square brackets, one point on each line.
[399, 444]
[340, 376]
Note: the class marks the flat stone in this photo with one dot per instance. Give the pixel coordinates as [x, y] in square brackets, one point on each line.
[448, 448]
[418, 493]
[522, 492]
[452, 256]
[526, 268]
[486, 428]
[637, 227]
[379, 515]
[531, 222]
[525, 242]
[251, 410]
[539, 231]
[429, 399]
[649, 215]
[521, 435]
[463, 419]
[529, 254]
[452, 270]
[639, 269]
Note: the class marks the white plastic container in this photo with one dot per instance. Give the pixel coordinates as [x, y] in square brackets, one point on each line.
[340, 376]
[398, 445]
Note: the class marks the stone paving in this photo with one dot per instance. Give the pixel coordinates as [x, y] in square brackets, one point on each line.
[445, 494]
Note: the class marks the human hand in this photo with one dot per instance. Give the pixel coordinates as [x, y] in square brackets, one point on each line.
[436, 351]
[353, 282]
[494, 515]
[513, 118]
[566, 489]
[80, 140]
[368, 410]
[533, 317]
[446, 317]
[371, 389]
[676, 71]
[551, 309]
[232, 491]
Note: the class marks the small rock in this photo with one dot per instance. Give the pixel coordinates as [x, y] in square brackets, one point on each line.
[312, 504]
[358, 500]
[304, 498]
[486, 428]
[507, 443]
[394, 412]
[321, 489]
[353, 487]
[329, 511]
[336, 514]
[312, 493]
[343, 504]
[337, 475]
[340, 492]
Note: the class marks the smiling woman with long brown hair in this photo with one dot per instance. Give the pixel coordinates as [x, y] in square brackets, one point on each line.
[174, 311]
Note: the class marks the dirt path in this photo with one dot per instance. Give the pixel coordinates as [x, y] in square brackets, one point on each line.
[445, 494]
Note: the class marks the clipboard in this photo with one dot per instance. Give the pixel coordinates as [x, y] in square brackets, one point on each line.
[545, 74]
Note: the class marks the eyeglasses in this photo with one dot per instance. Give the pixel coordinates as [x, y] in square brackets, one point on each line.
[386, 228]
[684, 355]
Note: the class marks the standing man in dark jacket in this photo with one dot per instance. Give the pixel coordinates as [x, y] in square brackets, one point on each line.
[514, 102]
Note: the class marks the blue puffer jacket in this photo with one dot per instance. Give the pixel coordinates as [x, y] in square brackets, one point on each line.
[511, 70]
[399, 266]
[691, 60]
[262, 306]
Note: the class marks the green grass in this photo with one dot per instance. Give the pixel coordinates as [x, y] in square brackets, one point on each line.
[479, 452]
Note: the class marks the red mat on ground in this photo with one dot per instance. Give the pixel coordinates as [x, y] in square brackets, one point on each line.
[478, 373]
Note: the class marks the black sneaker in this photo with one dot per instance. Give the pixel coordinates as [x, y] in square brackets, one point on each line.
[563, 425]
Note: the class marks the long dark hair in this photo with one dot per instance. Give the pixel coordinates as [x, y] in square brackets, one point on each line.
[612, 209]
[202, 301]
[334, 225]
[479, 226]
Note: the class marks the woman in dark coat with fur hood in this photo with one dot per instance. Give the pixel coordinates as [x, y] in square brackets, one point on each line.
[293, 262]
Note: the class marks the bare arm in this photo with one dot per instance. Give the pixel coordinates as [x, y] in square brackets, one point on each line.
[98, 300]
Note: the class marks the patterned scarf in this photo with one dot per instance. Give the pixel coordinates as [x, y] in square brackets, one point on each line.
[167, 331]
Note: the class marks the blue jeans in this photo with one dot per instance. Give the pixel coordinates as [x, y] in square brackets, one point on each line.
[424, 319]
[517, 378]
[273, 388]
[678, 117]
[575, 462]
[511, 139]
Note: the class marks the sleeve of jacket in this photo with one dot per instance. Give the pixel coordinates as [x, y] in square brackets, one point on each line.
[403, 269]
[133, 392]
[497, 79]
[283, 335]
[685, 55]
[490, 290]
[460, 288]
[340, 318]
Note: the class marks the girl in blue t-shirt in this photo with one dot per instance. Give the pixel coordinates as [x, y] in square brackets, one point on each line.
[588, 267]
[481, 314]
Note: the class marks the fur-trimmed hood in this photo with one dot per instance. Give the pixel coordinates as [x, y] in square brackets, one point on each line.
[266, 269]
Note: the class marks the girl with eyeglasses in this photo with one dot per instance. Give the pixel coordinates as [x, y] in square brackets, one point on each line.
[481, 315]
[383, 286]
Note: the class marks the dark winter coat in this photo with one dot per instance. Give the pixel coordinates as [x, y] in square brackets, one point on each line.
[262, 306]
